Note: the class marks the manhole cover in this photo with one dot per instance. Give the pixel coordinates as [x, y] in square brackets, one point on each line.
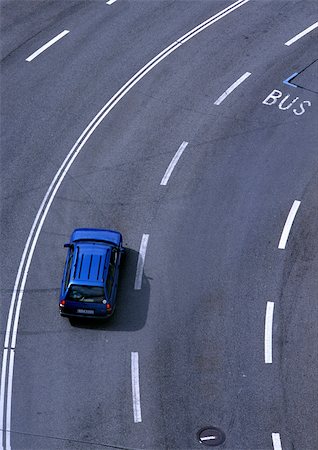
[211, 436]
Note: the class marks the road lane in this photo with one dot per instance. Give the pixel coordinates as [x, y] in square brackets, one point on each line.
[10, 375]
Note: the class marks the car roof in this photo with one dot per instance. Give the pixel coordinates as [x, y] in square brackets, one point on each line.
[97, 235]
[90, 263]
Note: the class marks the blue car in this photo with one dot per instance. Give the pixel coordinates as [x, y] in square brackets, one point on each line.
[91, 272]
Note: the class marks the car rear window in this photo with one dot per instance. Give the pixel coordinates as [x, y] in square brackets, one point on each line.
[86, 293]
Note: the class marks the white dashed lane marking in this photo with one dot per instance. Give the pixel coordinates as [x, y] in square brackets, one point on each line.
[288, 225]
[47, 45]
[268, 340]
[135, 386]
[231, 88]
[141, 261]
[300, 35]
[276, 441]
[173, 163]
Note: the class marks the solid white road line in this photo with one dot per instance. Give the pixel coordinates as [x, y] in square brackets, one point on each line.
[47, 45]
[269, 333]
[141, 261]
[174, 161]
[300, 35]
[135, 387]
[47, 201]
[110, 2]
[211, 20]
[231, 88]
[288, 225]
[3, 378]
[277, 445]
[9, 401]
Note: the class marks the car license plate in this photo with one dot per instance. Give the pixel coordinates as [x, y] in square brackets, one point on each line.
[85, 311]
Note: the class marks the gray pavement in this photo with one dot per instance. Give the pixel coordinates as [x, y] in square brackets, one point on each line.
[212, 261]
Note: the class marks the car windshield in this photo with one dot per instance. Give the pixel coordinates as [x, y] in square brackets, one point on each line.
[86, 293]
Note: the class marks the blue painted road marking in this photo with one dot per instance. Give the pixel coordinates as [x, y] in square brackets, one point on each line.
[287, 81]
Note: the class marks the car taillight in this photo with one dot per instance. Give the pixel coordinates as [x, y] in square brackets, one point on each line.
[108, 307]
[62, 303]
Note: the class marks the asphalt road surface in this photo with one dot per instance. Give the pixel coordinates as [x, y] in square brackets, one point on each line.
[191, 125]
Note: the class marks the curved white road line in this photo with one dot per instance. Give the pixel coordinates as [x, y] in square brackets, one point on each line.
[288, 224]
[25, 262]
[3, 378]
[9, 402]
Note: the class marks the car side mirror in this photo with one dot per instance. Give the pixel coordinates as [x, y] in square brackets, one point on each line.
[67, 245]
